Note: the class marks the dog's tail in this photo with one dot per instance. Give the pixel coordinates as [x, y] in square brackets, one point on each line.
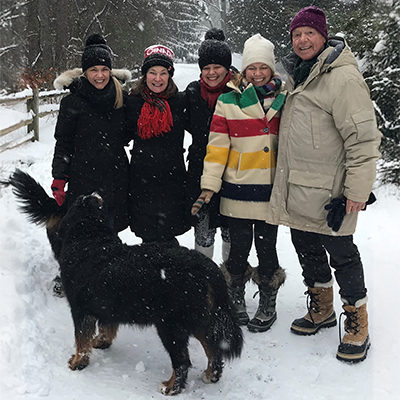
[224, 333]
[40, 208]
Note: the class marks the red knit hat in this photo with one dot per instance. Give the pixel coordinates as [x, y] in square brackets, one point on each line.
[158, 55]
[311, 16]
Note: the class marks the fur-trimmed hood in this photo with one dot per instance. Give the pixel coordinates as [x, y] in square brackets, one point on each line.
[67, 77]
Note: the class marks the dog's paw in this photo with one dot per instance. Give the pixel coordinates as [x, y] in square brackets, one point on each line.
[166, 390]
[210, 377]
[78, 362]
[98, 343]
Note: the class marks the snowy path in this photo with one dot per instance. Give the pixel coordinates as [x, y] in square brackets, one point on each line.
[36, 332]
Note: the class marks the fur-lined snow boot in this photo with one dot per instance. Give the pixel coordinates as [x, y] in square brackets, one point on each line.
[355, 343]
[236, 290]
[320, 310]
[266, 314]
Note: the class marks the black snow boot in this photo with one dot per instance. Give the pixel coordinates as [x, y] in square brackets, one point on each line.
[236, 290]
[266, 314]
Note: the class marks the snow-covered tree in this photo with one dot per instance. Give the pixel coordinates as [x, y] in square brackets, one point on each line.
[383, 77]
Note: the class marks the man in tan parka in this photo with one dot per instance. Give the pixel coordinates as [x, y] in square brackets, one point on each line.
[328, 147]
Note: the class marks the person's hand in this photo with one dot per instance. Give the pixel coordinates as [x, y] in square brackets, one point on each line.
[337, 211]
[354, 206]
[57, 187]
[204, 197]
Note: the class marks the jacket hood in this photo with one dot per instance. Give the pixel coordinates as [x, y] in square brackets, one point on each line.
[66, 79]
[336, 54]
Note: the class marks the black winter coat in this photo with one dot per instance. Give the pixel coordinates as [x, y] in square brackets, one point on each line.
[90, 138]
[158, 176]
[200, 116]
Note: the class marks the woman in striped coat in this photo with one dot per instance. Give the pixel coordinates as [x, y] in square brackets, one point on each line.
[240, 165]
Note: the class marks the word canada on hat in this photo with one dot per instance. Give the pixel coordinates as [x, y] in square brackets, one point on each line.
[159, 49]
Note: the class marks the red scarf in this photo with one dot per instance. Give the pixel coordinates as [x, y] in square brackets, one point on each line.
[155, 117]
[211, 94]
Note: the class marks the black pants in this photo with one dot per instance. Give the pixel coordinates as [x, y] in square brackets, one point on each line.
[312, 249]
[242, 232]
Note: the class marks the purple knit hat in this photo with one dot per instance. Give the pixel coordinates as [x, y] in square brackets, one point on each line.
[310, 16]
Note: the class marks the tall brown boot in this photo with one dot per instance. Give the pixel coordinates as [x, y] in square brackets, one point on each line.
[355, 343]
[320, 310]
[236, 290]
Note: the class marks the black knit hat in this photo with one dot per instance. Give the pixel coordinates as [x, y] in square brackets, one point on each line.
[214, 50]
[96, 52]
[158, 55]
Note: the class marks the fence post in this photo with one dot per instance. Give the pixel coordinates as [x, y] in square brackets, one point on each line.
[33, 104]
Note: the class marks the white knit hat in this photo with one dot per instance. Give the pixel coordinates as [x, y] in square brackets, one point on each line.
[257, 49]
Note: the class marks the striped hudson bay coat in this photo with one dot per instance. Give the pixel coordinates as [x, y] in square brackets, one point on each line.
[241, 153]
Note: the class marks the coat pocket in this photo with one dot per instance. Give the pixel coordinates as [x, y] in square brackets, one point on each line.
[308, 193]
[365, 124]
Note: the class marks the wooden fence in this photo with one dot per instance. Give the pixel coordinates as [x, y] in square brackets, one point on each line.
[38, 104]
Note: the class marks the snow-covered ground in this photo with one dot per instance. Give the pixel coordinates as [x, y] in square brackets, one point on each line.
[36, 331]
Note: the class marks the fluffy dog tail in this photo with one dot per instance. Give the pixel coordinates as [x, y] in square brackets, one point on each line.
[224, 334]
[40, 208]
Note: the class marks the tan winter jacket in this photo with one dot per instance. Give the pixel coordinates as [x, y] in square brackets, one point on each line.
[328, 144]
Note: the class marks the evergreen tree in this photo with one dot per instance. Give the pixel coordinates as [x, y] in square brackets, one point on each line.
[179, 27]
[383, 77]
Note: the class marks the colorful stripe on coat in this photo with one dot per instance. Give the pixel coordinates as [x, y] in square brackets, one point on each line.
[241, 151]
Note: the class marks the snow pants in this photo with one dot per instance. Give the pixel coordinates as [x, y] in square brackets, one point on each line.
[344, 258]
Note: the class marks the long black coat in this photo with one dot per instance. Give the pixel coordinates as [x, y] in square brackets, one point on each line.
[200, 116]
[90, 137]
[158, 176]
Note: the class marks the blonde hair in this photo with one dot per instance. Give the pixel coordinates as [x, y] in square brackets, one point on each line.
[238, 78]
[119, 98]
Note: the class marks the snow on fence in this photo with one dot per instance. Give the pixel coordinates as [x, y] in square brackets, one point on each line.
[25, 109]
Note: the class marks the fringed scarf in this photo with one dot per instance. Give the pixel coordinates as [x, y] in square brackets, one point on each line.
[155, 117]
[267, 92]
[211, 94]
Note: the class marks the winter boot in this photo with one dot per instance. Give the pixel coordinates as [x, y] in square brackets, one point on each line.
[236, 290]
[226, 248]
[320, 310]
[266, 315]
[207, 251]
[58, 289]
[355, 343]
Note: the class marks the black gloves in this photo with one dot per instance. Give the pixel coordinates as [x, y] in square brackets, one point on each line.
[371, 200]
[337, 211]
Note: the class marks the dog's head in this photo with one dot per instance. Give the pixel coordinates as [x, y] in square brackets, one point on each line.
[85, 208]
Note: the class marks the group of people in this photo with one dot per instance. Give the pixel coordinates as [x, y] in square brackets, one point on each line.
[237, 176]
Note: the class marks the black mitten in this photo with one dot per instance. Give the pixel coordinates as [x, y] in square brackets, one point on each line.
[337, 211]
[371, 200]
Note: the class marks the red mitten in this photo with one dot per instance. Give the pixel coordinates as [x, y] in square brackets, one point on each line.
[57, 187]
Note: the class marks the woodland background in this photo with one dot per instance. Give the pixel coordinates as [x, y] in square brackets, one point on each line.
[46, 37]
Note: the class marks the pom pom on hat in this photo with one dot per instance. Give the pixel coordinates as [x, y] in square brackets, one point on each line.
[214, 49]
[158, 55]
[215, 33]
[96, 52]
[310, 16]
[257, 49]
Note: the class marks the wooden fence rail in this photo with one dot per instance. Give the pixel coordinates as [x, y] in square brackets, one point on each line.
[48, 101]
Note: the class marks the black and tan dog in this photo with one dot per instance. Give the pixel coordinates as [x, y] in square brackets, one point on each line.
[107, 283]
